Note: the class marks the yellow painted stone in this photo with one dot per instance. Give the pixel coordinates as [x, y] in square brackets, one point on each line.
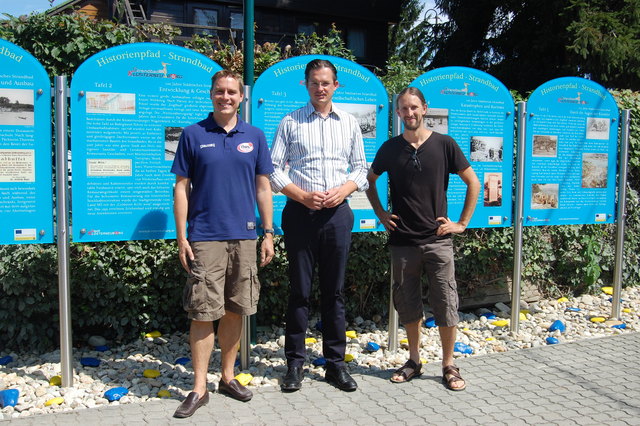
[244, 378]
[310, 340]
[155, 333]
[163, 393]
[563, 299]
[404, 341]
[522, 317]
[351, 334]
[597, 319]
[465, 329]
[150, 373]
[490, 339]
[348, 358]
[607, 290]
[54, 401]
[525, 311]
[626, 310]
[423, 361]
[55, 381]
[500, 323]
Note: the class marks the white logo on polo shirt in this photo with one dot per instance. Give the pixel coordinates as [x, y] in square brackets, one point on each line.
[209, 145]
[245, 147]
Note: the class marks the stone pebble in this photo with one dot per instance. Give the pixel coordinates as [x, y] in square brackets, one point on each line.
[123, 366]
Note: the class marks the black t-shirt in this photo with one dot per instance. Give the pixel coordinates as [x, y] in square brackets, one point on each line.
[418, 186]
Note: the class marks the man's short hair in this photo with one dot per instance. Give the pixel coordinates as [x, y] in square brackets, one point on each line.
[411, 91]
[316, 64]
[228, 74]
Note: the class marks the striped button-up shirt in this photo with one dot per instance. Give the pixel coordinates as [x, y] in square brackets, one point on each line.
[321, 153]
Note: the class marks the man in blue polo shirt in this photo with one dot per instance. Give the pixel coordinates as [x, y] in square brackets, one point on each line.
[222, 169]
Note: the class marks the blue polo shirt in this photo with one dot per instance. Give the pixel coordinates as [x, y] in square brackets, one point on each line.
[222, 167]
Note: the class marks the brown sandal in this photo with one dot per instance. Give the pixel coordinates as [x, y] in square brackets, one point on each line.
[451, 374]
[408, 371]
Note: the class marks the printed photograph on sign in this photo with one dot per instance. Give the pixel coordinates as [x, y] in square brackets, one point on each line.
[595, 167]
[171, 138]
[366, 116]
[17, 165]
[437, 120]
[111, 103]
[544, 195]
[597, 128]
[16, 107]
[486, 148]
[492, 189]
[545, 145]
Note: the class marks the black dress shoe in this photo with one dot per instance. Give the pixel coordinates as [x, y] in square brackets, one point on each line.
[191, 404]
[235, 390]
[292, 381]
[340, 378]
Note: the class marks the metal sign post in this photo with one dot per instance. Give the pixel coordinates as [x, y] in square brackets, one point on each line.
[245, 341]
[396, 127]
[621, 212]
[518, 220]
[62, 219]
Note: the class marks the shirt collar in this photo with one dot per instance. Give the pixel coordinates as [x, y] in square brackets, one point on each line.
[211, 125]
[336, 112]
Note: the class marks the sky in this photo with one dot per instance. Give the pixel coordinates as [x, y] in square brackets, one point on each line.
[24, 7]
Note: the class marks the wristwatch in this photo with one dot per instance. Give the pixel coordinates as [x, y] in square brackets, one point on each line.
[269, 231]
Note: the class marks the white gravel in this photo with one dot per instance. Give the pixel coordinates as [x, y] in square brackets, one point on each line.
[124, 365]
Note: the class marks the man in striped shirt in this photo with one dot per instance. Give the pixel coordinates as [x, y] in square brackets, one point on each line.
[323, 148]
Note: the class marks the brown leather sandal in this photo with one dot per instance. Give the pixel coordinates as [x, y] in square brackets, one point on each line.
[408, 371]
[451, 374]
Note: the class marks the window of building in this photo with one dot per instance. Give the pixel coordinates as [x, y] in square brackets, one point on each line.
[356, 43]
[206, 18]
[306, 29]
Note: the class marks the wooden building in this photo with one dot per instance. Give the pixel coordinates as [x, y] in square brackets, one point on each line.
[364, 23]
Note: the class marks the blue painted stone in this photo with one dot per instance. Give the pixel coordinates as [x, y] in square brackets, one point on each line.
[557, 325]
[620, 326]
[101, 348]
[237, 363]
[489, 315]
[611, 300]
[319, 325]
[115, 394]
[90, 362]
[319, 362]
[551, 340]
[9, 397]
[372, 346]
[430, 322]
[183, 360]
[463, 348]
[6, 360]
[572, 309]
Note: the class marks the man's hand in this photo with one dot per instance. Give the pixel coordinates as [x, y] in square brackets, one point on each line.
[334, 197]
[387, 220]
[313, 200]
[185, 254]
[266, 250]
[447, 226]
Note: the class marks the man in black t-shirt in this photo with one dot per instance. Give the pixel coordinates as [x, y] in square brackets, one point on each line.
[418, 163]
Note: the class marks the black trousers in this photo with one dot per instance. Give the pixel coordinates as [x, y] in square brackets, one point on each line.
[321, 237]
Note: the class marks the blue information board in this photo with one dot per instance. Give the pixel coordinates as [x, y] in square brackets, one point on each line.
[476, 110]
[129, 105]
[26, 184]
[570, 156]
[281, 89]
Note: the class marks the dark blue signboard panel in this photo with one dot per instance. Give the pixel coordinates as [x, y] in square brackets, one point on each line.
[26, 188]
[476, 110]
[281, 89]
[129, 105]
[570, 157]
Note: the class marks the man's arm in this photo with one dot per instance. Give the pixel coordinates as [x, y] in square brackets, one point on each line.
[265, 209]
[180, 210]
[386, 218]
[447, 226]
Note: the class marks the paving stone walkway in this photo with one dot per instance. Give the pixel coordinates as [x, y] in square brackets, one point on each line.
[589, 382]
